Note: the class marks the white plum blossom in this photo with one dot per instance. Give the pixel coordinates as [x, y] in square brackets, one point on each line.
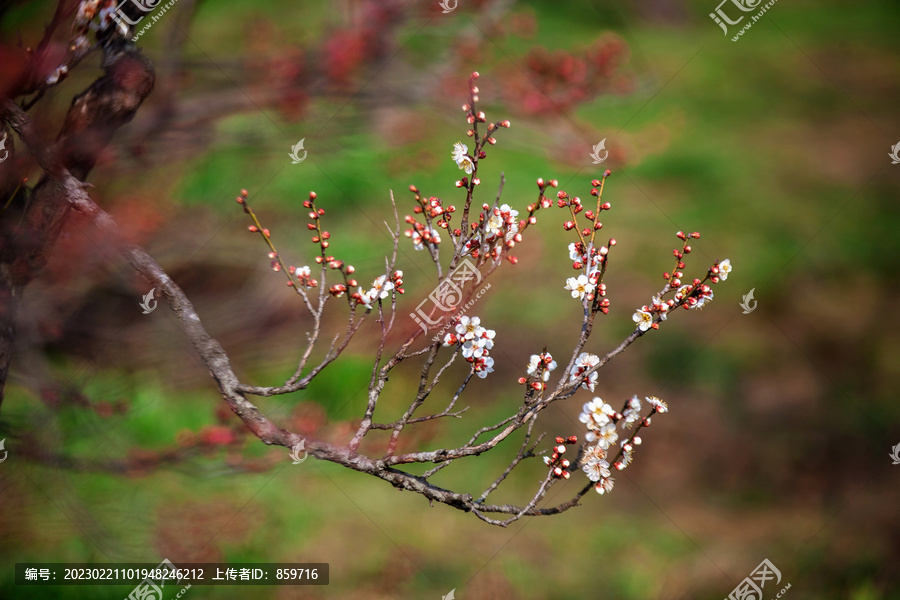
[584, 362]
[706, 295]
[604, 486]
[478, 346]
[605, 436]
[660, 307]
[483, 366]
[475, 343]
[593, 463]
[596, 413]
[724, 269]
[500, 217]
[643, 319]
[683, 291]
[381, 289]
[541, 364]
[596, 470]
[627, 455]
[632, 411]
[579, 286]
[574, 254]
[469, 328]
[461, 158]
[657, 404]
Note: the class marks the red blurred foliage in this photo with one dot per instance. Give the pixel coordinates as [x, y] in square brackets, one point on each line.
[217, 435]
[558, 81]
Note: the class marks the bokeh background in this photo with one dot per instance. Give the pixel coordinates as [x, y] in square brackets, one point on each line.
[777, 443]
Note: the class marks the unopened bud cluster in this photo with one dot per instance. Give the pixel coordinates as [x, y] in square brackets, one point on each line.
[435, 214]
[695, 294]
[559, 466]
[297, 277]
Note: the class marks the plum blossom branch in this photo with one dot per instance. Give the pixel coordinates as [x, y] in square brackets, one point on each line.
[487, 239]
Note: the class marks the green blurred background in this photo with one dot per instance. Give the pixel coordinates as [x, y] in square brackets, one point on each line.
[781, 421]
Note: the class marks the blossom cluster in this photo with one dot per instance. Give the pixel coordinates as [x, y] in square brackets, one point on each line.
[496, 229]
[475, 343]
[381, 289]
[539, 368]
[601, 420]
[584, 362]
